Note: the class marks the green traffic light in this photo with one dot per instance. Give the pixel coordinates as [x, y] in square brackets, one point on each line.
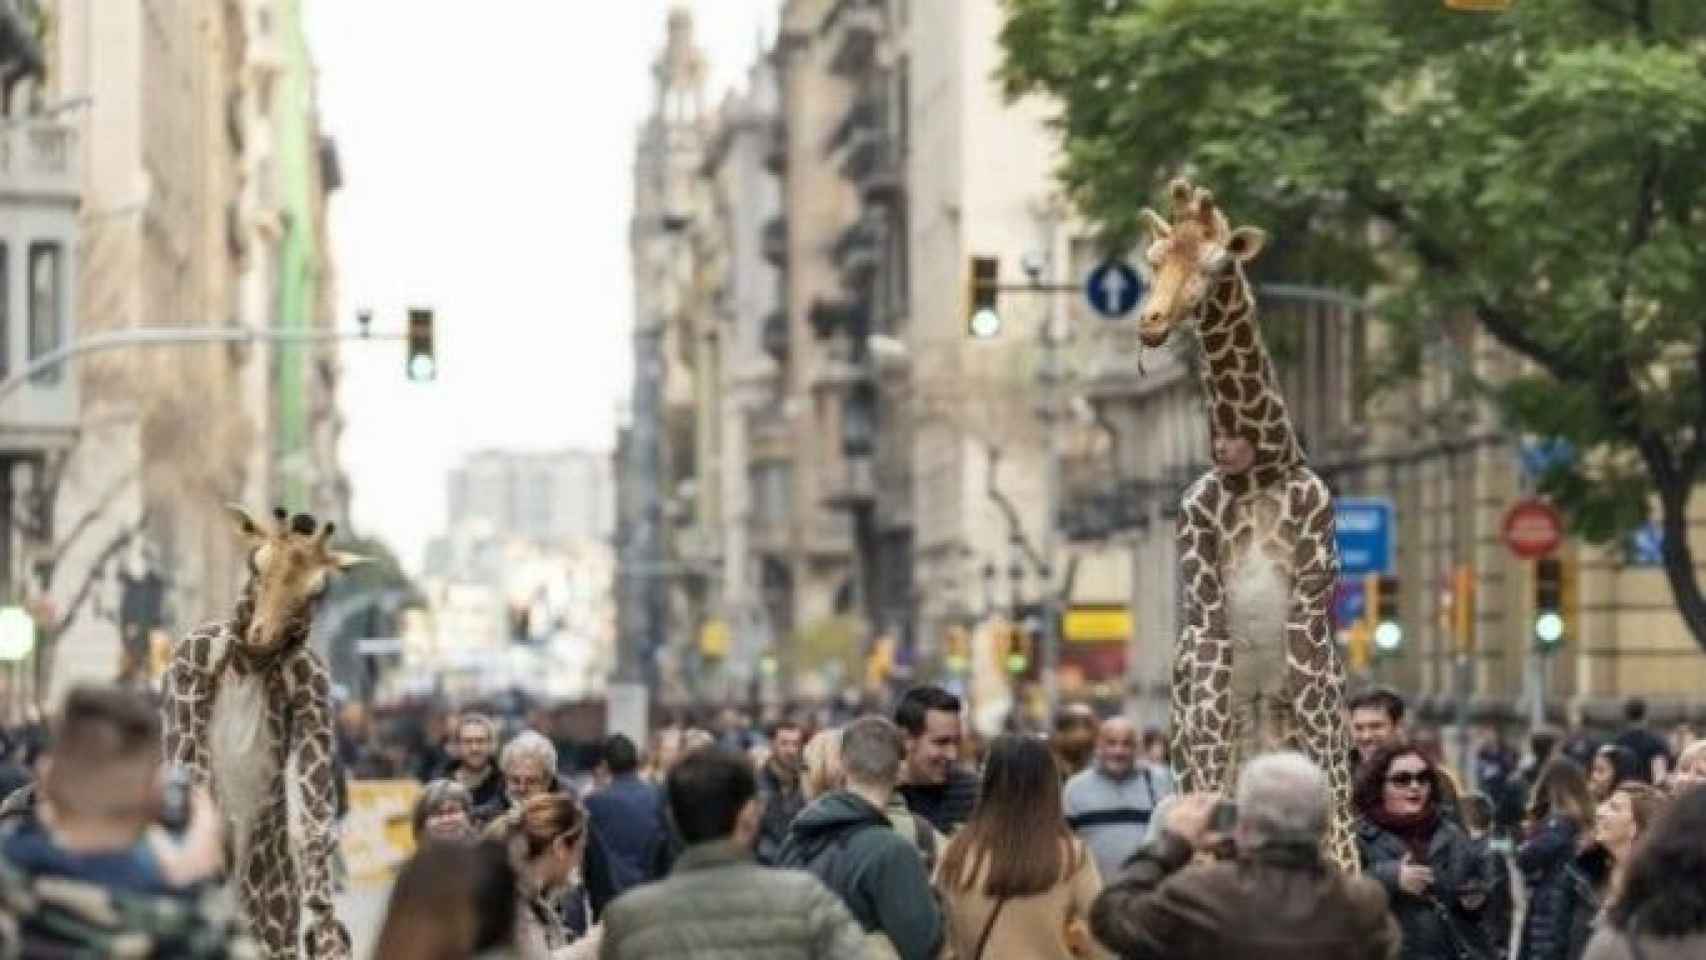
[1016, 663]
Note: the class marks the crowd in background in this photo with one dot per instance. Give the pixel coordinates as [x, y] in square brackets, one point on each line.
[897, 834]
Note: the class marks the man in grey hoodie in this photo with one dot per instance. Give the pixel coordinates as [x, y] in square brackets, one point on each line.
[845, 839]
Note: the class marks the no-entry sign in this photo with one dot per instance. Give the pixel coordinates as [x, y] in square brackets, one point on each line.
[1533, 528]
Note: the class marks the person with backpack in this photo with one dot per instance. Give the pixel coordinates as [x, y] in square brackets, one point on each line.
[844, 838]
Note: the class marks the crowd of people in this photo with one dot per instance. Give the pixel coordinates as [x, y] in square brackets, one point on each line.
[893, 835]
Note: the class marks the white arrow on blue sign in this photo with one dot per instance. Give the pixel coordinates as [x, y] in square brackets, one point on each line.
[1363, 530]
[1113, 288]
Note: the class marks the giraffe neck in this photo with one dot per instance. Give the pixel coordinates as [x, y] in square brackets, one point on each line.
[1243, 392]
[295, 635]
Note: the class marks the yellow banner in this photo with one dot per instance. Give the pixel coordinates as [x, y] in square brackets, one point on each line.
[377, 835]
[1096, 625]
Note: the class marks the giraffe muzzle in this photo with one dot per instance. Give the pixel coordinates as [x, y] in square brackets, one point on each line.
[1153, 336]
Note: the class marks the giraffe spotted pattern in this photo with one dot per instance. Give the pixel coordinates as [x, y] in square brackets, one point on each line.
[1256, 666]
[270, 771]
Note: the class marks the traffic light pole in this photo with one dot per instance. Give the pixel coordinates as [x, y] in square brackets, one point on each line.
[176, 337]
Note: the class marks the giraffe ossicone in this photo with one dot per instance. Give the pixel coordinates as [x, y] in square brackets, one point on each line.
[1255, 666]
[248, 713]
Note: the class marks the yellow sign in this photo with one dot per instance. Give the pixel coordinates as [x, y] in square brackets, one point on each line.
[1096, 625]
[377, 834]
[714, 639]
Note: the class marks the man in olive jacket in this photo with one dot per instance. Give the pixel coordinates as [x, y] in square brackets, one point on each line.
[717, 900]
[1278, 901]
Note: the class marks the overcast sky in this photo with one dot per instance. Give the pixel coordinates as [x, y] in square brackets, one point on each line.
[487, 152]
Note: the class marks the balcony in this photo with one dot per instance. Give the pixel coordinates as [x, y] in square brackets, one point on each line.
[774, 336]
[865, 115]
[776, 147]
[1098, 510]
[854, 28]
[831, 316]
[863, 153]
[774, 240]
[852, 486]
[38, 159]
[856, 252]
[829, 534]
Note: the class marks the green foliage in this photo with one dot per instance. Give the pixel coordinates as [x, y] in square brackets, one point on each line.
[1541, 170]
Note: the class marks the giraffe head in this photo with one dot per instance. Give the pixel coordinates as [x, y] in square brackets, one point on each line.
[1187, 256]
[290, 565]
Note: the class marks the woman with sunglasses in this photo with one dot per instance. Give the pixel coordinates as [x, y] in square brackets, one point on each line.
[1434, 875]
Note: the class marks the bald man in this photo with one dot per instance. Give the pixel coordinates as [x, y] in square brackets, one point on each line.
[1109, 804]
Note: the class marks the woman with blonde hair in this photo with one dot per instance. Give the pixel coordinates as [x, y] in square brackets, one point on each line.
[1560, 811]
[546, 840]
[821, 764]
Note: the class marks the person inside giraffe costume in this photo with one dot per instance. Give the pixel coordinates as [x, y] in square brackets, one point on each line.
[1255, 667]
[248, 712]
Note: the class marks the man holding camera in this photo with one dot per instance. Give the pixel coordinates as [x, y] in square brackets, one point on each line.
[121, 883]
[1275, 898]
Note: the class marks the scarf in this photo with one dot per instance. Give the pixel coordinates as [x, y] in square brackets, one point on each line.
[1414, 829]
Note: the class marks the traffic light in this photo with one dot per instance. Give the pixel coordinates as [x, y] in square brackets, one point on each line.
[1463, 609]
[958, 649]
[982, 319]
[1554, 602]
[1018, 649]
[1382, 599]
[422, 365]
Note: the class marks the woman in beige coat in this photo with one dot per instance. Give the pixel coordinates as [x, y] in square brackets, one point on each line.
[1015, 883]
[546, 838]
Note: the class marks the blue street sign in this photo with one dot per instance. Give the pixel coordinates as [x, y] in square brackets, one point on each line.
[1364, 529]
[1542, 455]
[1647, 546]
[1350, 602]
[1113, 288]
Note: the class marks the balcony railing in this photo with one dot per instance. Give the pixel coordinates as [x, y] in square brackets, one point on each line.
[855, 27]
[849, 484]
[39, 157]
[776, 147]
[856, 252]
[775, 240]
[774, 337]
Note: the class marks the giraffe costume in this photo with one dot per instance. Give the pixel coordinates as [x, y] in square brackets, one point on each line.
[248, 711]
[1255, 667]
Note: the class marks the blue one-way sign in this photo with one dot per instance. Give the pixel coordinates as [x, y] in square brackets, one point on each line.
[1113, 288]
[1363, 529]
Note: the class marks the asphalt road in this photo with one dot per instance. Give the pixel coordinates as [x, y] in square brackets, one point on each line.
[363, 911]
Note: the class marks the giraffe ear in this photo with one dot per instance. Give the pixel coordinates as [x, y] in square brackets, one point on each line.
[244, 524]
[1159, 228]
[344, 561]
[1246, 242]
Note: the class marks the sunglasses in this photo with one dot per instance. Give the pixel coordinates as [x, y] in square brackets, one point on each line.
[1407, 779]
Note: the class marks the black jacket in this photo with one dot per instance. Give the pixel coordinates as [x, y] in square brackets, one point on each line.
[783, 801]
[1449, 913]
[849, 845]
[1562, 899]
[487, 795]
[946, 805]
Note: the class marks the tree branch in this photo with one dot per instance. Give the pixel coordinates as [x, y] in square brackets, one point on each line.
[87, 520]
[1500, 323]
[119, 541]
[1016, 529]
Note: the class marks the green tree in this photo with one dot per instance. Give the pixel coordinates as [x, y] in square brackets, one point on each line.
[1540, 171]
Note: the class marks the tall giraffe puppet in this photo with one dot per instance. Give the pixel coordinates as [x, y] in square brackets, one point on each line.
[248, 712]
[1255, 667]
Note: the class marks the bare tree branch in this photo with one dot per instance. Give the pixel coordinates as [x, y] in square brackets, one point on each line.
[118, 543]
[87, 519]
[1014, 526]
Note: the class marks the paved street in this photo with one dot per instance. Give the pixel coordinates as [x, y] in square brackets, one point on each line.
[363, 910]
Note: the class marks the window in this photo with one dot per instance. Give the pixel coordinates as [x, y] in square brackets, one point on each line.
[47, 305]
[5, 312]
